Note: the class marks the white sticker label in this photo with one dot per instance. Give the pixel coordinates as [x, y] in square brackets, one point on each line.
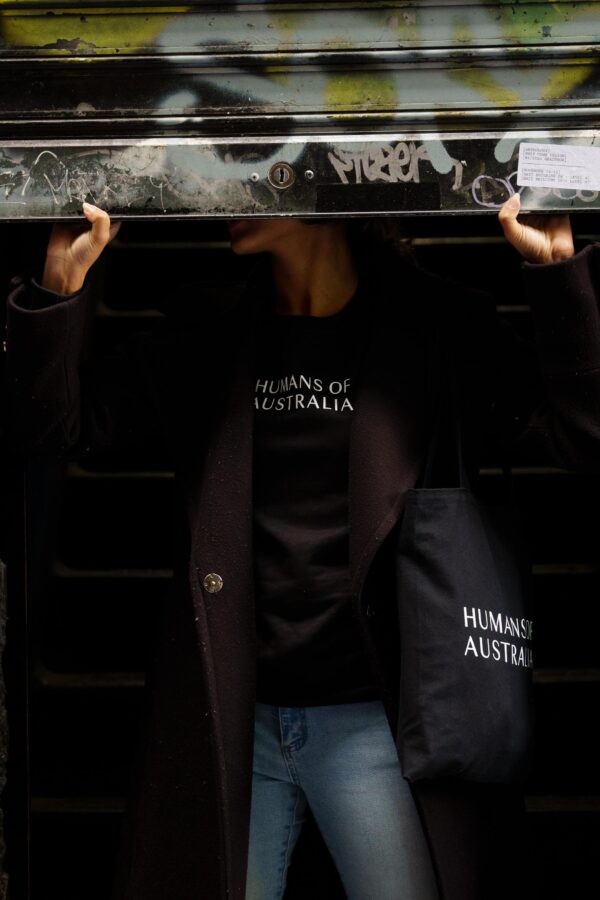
[559, 166]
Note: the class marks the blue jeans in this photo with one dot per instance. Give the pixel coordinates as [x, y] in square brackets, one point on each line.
[342, 762]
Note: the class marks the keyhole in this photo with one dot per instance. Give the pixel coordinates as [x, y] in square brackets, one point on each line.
[281, 176]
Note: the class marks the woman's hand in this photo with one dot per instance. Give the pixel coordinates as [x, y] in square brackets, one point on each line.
[73, 249]
[539, 238]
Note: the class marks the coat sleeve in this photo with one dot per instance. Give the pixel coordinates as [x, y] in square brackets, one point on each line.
[543, 397]
[58, 405]
[565, 305]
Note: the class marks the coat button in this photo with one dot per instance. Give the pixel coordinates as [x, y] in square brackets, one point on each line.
[213, 583]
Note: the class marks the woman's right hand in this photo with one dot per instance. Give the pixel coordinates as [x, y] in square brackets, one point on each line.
[73, 249]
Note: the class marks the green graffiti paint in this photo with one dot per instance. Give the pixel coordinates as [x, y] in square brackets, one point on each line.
[521, 23]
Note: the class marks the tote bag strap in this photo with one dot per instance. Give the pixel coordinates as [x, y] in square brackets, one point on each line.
[445, 451]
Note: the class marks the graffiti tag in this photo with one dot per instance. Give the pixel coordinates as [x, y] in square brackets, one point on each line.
[492, 191]
[386, 162]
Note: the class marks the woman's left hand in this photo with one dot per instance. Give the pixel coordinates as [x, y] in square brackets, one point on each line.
[543, 239]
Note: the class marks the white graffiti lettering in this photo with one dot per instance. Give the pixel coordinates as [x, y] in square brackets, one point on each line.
[77, 181]
[386, 162]
[492, 191]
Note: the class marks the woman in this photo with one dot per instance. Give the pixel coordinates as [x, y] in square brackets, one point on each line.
[296, 416]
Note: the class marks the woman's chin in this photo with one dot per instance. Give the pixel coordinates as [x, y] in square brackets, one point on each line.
[241, 246]
[240, 234]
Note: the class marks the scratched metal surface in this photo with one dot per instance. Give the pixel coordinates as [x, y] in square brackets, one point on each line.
[94, 29]
[164, 110]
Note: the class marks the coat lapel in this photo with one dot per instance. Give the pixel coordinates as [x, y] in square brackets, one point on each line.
[218, 490]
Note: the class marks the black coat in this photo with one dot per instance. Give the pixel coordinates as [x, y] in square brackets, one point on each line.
[193, 382]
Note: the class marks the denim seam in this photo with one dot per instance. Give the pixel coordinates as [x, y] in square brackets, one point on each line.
[291, 766]
[299, 741]
[287, 848]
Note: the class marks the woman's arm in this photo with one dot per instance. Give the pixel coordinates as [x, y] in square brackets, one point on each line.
[555, 387]
[56, 405]
[73, 250]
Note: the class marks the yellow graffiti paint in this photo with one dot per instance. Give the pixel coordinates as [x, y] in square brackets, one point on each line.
[277, 77]
[354, 90]
[484, 83]
[105, 31]
[405, 25]
[565, 79]
[338, 44]
[523, 24]
[287, 23]
[462, 32]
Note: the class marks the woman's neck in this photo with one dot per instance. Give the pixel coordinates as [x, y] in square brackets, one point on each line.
[316, 276]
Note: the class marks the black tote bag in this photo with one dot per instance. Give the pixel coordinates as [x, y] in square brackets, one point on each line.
[465, 623]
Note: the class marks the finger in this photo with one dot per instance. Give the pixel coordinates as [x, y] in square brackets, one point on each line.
[99, 236]
[507, 216]
[510, 208]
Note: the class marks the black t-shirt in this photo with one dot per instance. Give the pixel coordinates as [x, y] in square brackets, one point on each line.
[310, 649]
